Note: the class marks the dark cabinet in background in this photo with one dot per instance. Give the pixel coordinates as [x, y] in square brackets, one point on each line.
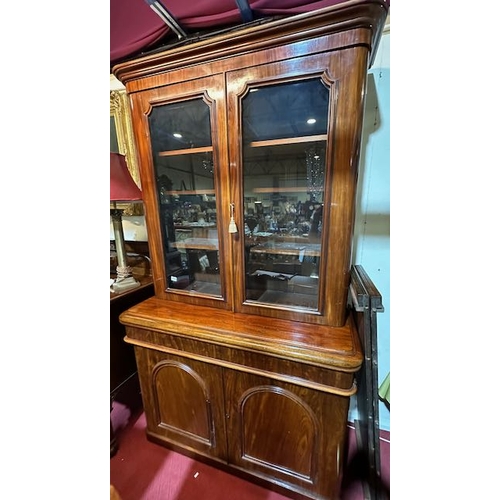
[123, 378]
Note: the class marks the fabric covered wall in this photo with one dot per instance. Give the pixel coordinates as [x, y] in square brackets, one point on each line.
[135, 27]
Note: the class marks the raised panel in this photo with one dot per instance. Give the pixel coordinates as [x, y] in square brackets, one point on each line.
[186, 416]
[288, 435]
[183, 402]
[278, 431]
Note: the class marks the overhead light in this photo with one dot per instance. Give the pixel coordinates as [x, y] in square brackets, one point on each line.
[179, 136]
[311, 121]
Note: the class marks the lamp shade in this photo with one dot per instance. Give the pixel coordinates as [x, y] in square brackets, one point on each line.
[122, 186]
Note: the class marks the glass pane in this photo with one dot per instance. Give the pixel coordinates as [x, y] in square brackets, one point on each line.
[285, 111]
[184, 171]
[180, 126]
[284, 171]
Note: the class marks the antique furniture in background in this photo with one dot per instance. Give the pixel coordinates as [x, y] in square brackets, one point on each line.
[124, 384]
[248, 147]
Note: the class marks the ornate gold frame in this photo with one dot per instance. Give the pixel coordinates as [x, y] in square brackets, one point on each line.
[119, 109]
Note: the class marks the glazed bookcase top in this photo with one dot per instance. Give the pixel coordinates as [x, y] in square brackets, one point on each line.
[248, 146]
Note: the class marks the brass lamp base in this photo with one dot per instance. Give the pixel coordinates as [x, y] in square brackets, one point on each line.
[123, 284]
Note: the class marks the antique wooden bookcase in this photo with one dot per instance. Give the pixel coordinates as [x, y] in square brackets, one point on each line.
[248, 146]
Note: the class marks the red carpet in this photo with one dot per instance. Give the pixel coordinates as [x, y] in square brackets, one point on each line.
[142, 470]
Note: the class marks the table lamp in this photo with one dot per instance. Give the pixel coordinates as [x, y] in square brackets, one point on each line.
[122, 189]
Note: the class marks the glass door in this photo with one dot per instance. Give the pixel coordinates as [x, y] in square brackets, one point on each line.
[284, 144]
[181, 140]
[283, 154]
[186, 186]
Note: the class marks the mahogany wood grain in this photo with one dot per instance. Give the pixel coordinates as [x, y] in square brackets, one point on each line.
[289, 435]
[344, 71]
[211, 89]
[266, 397]
[330, 347]
[275, 391]
[183, 401]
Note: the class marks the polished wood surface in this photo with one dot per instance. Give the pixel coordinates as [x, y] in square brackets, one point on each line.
[292, 435]
[335, 44]
[268, 397]
[331, 347]
[146, 283]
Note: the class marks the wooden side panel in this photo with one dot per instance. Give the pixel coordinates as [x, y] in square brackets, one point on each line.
[183, 402]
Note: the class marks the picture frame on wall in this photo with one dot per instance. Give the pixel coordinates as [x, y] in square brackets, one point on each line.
[122, 141]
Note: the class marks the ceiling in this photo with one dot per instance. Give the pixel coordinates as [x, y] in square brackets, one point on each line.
[138, 27]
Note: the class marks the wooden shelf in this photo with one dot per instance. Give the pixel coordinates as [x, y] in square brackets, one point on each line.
[191, 192]
[287, 141]
[188, 151]
[306, 249]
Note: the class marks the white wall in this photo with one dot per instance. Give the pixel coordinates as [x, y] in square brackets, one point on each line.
[372, 226]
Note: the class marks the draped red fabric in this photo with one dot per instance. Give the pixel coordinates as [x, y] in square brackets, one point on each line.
[135, 27]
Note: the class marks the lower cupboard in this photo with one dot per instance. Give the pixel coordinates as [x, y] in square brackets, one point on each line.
[276, 421]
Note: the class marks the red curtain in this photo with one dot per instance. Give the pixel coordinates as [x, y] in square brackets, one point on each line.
[134, 26]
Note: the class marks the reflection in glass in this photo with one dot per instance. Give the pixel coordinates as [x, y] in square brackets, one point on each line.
[285, 131]
[288, 110]
[184, 168]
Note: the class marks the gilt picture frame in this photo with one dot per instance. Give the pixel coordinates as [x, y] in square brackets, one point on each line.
[122, 141]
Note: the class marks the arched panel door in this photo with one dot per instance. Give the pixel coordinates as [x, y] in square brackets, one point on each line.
[278, 431]
[287, 434]
[185, 402]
